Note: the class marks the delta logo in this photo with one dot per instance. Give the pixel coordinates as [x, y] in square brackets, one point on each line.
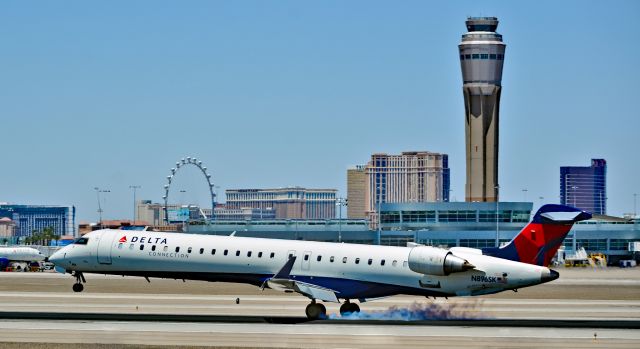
[143, 239]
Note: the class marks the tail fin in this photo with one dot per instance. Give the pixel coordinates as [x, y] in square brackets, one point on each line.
[539, 241]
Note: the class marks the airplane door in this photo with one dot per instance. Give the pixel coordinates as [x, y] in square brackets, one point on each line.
[306, 260]
[105, 244]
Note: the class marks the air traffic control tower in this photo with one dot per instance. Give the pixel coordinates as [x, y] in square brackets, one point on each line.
[481, 59]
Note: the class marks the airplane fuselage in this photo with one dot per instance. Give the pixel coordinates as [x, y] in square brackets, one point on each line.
[353, 271]
[21, 254]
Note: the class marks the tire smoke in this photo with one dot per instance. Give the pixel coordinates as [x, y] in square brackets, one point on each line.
[419, 311]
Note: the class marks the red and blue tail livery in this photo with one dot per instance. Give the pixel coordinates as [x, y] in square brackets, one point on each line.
[539, 241]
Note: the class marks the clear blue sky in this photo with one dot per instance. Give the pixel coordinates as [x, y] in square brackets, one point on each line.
[278, 93]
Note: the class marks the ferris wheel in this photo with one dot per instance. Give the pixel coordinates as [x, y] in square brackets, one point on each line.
[180, 164]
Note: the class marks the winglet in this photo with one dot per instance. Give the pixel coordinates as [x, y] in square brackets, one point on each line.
[284, 272]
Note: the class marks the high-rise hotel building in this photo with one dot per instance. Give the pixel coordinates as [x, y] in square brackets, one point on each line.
[585, 187]
[409, 177]
[481, 60]
[288, 203]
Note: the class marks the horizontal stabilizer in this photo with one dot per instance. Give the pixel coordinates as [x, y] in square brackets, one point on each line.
[561, 216]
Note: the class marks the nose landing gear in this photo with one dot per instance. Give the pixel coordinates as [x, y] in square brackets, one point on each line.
[349, 307]
[316, 311]
[78, 286]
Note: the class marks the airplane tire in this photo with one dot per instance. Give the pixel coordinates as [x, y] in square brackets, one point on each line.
[78, 287]
[316, 311]
[349, 307]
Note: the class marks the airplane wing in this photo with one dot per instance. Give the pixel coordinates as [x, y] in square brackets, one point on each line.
[283, 281]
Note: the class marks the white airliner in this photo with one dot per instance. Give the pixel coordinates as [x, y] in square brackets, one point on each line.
[323, 271]
[19, 254]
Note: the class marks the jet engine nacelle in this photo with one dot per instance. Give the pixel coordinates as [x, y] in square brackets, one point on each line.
[436, 261]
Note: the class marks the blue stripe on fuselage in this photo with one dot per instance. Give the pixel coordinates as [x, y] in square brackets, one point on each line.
[345, 288]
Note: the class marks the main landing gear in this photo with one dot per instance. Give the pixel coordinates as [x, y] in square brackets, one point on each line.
[316, 311]
[349, 307]
[78, 286]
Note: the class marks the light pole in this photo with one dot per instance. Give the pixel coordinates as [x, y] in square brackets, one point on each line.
[340, 202]
[575, 238]
[134, 187]
[98, 191]
[497, 187]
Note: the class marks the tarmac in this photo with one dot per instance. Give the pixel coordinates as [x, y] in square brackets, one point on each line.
[584, 308]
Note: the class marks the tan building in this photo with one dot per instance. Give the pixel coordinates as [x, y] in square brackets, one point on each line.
[356, 192]
[288, 203]
[7, 227]
[417, 176]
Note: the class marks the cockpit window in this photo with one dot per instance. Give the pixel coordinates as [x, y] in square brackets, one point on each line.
[81, 241]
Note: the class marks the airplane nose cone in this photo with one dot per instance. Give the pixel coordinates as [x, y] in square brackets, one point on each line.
[549, 275]
[56, 258]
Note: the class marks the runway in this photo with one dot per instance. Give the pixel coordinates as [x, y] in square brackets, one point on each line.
[40, 308]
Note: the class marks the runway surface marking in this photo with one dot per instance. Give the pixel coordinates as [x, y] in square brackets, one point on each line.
[317, 329]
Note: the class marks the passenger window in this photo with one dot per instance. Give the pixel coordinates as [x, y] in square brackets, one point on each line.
[290, 255]
[165, 249]
[153, 247]
[131, 246]
[120, 246]
[306, 257]
[331, 259]
[213, 251]
[272, 255]
[344, 259]
[237, 253]
[394, 263]
[226, 252]
[201, 250]
[189, 250]
[249, 254]
[370, 261]
[357, 260]
[260, 254]
[141, 247]
[382, 262]
[177, 249]
[319, 258]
